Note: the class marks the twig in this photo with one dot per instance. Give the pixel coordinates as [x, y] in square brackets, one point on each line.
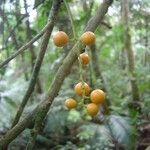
[106, 24]
[14, 39]
[38, 4]
[71, 19]
[13, 29]
[27, 45]
[21, 19]
[61, 74]
[5, 19]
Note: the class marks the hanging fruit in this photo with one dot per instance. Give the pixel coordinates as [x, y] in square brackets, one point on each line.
[70, 103]
[97, 96]
[88, 38]
[60, 39]
[84, 58]
[82, 89]
[92, 109]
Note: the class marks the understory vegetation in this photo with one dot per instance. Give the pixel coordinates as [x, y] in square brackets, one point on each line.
[36, 82]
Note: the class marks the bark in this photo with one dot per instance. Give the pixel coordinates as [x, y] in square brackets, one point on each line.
[61, 74]
[130, 55]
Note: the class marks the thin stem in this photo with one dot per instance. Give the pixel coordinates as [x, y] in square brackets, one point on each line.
[91, 73]
[71, 19]
[82, 80]
[26, 46]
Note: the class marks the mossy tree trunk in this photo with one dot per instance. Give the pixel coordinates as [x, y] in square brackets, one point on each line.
[130, 55]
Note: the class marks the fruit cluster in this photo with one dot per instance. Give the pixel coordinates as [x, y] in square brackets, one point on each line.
[97, 96]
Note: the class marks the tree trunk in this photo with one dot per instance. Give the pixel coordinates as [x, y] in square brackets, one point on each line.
[147, 53]
[96, 66]
[98, 74]
[130, 55]
[38, 87]
[15, 39]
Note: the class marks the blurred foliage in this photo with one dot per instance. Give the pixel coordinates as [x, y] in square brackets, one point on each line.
[65, 129]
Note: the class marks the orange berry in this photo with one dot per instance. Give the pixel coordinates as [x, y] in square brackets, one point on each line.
[70, 103]
[82, 89]
[84, 57]
[92, 109]
[97, 96]
[60, 39]
[88, 38]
